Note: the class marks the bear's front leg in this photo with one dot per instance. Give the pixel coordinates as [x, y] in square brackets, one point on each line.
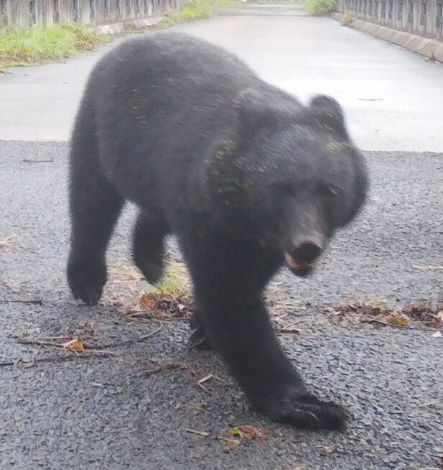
[95, 205]
[237, 325]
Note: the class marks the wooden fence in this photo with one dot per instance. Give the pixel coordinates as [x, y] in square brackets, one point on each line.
[43, 13]
[421, 17]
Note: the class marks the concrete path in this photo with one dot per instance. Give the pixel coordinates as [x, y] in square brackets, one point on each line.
[393, 99]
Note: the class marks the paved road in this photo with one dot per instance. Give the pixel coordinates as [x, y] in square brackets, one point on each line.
[393, 98]
[131, 410]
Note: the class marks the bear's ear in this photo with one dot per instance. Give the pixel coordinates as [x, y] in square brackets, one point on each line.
[329, 112]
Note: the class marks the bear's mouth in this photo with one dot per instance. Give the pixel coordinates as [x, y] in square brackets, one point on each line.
[299, 268]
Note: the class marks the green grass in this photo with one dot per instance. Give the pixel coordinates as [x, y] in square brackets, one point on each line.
[320, 7]
[194, 10]
[175, 282]
[347, 20]
[202, 9]
[36, 46]
[274, 2]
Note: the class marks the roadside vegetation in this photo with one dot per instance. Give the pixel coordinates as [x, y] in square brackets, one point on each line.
[63, 41]
[194, 10]
[347, 20]
[320, 7]
[36, 46]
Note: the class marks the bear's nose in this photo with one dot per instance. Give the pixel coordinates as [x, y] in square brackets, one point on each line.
[307, 251]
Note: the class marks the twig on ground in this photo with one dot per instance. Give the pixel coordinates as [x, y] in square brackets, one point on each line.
[430, 403]
[131, 341]
[39, 342]
[7, 364]
[35, 301]
[71, 357]
[200, 433]
[204, 379]
[428, 268]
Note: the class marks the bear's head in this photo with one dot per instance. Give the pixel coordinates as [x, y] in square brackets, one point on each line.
[310, 178]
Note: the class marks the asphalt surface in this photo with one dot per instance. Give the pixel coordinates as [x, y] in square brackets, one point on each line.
[134, 409]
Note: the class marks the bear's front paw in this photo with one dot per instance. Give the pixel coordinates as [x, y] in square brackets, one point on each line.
[305, 411]
[86, 279]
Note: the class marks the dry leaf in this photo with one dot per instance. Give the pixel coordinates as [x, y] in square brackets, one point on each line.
[325, 450]
[232, 444]
[147, 301]
[396, 321]
[6, 241]
[74, 345]
[249, 432]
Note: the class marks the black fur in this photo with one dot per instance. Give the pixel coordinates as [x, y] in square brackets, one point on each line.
[242, 173]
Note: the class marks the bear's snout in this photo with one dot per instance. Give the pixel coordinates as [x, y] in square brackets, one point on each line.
[302, 256]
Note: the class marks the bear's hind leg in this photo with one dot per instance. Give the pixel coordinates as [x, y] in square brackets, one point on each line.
[148, 245]
[95, 206]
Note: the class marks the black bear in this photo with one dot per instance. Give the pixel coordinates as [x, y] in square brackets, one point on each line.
[241, 172]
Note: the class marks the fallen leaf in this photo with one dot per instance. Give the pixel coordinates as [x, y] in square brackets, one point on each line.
[236, 432]
[396, 321]
[147, 301]
[232, 445]
[249, 432]
[6, 241]
[74, 345]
